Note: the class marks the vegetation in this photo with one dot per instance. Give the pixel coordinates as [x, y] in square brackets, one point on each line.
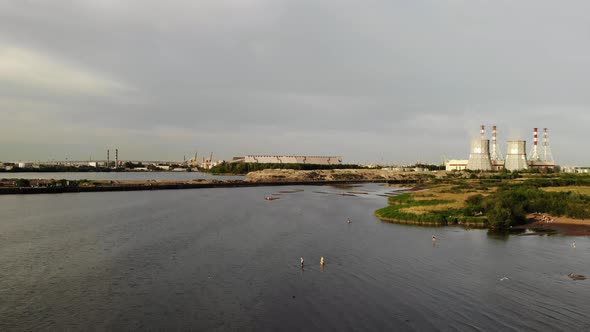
[510, 205]
[244, 168]
[501, 199]
[397, 211]
[23, 183]
[56, 169]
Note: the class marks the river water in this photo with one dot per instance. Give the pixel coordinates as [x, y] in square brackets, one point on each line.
[179, 176]
[226, 259]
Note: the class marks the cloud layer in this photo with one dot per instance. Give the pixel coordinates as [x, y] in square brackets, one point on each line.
[373, 81]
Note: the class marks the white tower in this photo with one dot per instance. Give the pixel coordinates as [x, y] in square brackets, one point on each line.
[479, 156]
[516, 156]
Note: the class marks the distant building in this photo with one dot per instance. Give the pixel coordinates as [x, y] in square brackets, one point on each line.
[576, 169]
[314, 160]
[25, 165]
[456, 164]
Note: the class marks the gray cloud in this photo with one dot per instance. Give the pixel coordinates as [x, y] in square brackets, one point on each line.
[377, 81]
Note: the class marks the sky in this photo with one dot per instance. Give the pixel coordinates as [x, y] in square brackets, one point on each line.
[372, 81]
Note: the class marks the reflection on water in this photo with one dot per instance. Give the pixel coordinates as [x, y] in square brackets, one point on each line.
[227, 259]
[505, 234]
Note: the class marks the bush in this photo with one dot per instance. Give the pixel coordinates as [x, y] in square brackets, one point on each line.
[23, 183]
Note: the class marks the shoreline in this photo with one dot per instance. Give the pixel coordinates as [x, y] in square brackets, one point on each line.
[562, 225]
[432, 223]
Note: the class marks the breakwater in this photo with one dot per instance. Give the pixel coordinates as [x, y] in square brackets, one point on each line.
[147, 185]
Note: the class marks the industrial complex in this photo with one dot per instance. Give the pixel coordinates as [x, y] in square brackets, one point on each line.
[481, 159]
[268, 159]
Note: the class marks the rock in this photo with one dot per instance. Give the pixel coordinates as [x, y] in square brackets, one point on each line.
[576, 276]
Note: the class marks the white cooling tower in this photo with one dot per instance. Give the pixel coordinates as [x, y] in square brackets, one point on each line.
[516, 156]
[479, 155]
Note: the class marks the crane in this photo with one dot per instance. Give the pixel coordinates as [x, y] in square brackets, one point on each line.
[195, 161]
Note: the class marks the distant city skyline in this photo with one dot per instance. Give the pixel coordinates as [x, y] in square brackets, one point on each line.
[374, 82]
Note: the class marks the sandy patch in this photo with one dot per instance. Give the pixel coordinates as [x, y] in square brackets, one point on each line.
[563, 225]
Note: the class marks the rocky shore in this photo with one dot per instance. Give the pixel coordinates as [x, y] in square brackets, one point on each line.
[259, 178]
[375, 175]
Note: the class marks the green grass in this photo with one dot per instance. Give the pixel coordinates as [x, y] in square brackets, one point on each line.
[397, 211]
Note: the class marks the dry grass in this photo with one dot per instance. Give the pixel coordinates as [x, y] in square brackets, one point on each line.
[458, 200]
[431, 208]
[577, 189]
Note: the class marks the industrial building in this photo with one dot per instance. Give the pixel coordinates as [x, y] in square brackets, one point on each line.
[481, 159]
[269, 159]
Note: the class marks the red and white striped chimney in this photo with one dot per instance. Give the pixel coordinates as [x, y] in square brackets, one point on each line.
[494, 135]
[535, 152]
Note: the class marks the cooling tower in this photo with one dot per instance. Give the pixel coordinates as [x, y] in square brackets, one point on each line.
[479, 155]
[516, 156]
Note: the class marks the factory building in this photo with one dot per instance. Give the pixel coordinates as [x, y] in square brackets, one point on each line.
[456, 164]
[268, 159]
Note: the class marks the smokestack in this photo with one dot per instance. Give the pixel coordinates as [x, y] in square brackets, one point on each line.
[108, 158]
[545, 142]
[496, 156]
[483, 132]
[534, 155]
[547, 156]
[116, 158]
[494, 134]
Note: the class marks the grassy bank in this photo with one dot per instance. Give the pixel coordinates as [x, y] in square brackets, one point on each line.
[407, 208]
[487, 199]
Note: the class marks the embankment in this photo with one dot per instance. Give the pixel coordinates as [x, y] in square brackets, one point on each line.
[166, 186]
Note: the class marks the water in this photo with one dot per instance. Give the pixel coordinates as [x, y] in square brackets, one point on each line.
[180, 176]
[226, 259]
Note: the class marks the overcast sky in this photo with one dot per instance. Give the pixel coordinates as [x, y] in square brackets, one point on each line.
[372, 81]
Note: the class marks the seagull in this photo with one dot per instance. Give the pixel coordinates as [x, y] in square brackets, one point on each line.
[322, 261]
[348, 219]
[433, 238]
[301, 261]
[574, 244]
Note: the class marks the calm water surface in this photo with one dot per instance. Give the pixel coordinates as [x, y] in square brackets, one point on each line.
[226, 259]
[119, 176]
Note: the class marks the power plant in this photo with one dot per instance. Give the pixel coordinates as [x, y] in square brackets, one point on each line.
[481, 159]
